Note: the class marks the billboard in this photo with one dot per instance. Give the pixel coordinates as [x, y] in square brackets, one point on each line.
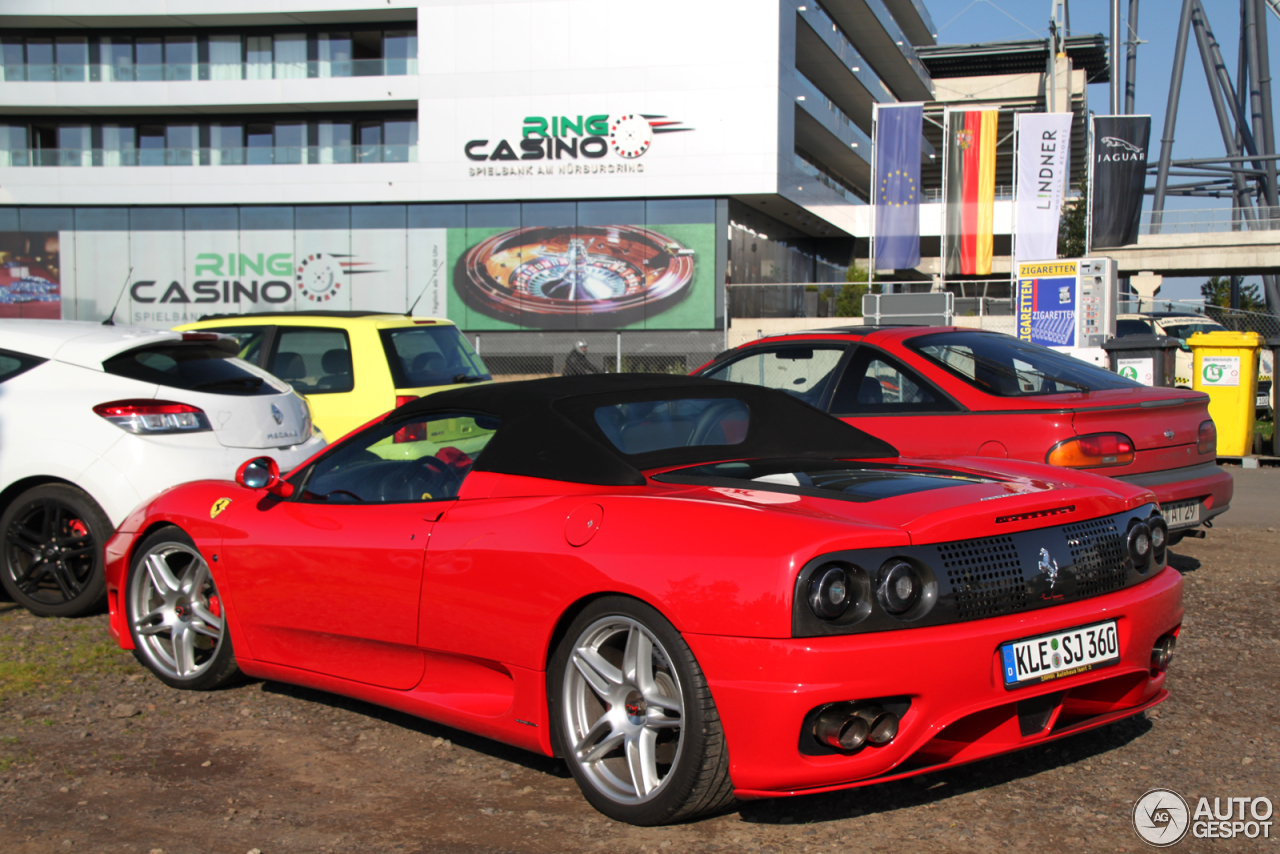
[1046, 305]
[30, 264]
[562, 267]
[583, 277]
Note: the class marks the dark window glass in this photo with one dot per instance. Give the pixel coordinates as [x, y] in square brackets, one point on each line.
[801, 370]
[313, 361]
[149, 58]
[400, 461]
[1007, 367]
[1133, 327]
[260, 143]
[11, 56]
[291, 142]
[367, 44]
[422, 356]
[12, 364]
[180, 57]
[638, 428]
[877, 383]
[73, 58]
[192, 367]
[40, 59]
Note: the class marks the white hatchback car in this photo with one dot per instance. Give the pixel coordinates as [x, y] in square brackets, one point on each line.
[94, 419]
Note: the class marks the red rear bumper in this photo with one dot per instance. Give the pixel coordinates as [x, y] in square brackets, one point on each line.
[960, 710]
[1207, 483]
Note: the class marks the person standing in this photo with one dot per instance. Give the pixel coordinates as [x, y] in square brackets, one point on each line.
[577, 363]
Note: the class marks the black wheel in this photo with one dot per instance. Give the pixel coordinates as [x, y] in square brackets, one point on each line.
[52, 562]
[175, 615]
[634, 719]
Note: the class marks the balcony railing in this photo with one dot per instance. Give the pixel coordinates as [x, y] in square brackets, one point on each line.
[263, 156]
[208, 71]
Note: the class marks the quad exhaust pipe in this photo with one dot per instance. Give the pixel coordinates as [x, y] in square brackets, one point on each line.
[848, 728]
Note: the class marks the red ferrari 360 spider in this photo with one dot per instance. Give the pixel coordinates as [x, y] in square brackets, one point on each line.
[652, 578]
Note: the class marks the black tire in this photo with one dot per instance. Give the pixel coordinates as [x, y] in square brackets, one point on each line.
[696, 780]
[175, 615]
[51, 558]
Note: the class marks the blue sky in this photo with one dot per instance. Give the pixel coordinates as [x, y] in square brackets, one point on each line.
[1196, 135]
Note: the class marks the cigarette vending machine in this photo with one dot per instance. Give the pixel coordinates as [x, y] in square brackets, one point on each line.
[1069, 305]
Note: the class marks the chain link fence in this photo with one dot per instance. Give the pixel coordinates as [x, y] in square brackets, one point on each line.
[533, 355]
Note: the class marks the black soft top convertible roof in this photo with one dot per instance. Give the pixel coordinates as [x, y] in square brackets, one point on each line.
[548, 427]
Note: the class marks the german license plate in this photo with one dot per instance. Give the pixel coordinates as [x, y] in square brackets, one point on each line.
[1182, 514]
[1066, 653]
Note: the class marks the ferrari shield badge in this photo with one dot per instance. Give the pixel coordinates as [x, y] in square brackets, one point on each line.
[218, 506]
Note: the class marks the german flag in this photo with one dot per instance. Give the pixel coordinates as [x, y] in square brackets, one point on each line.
[971, 190]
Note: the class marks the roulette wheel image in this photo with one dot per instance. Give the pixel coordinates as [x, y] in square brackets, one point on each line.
[566, 278]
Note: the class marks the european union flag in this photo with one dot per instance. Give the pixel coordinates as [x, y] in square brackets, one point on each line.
[897, 187]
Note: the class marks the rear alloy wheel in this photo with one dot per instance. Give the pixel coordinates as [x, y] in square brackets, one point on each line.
[175, 615]
[51, 553]
[633, 717]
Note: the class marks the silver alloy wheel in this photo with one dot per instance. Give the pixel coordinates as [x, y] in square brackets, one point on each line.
[624, 710]
[175, 610]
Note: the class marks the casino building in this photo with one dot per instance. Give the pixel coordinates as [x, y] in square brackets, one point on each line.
[538, 171]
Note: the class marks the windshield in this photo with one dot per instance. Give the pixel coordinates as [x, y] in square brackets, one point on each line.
[431, 355]
[1184, 330]
[1007, 367]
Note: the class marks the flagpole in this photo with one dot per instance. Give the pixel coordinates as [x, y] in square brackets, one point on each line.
[942, 232]
[871, 251]
[1088, 210]
[1013, 238]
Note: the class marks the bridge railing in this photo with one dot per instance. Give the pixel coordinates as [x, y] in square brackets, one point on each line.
[1210, 220]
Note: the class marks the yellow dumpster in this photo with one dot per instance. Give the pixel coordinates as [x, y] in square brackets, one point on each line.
[1225, 366]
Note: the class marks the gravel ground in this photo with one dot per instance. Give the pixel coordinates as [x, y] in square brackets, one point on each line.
[96, 755]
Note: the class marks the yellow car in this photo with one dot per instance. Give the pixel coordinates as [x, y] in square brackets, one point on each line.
[353, 366]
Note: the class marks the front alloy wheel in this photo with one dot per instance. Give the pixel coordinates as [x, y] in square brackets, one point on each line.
[175, 614]
[633, 717]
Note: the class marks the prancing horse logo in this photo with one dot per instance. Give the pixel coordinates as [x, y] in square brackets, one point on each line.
[1049, 567]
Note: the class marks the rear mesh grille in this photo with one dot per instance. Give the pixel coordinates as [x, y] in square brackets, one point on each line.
[1097, 550]
[985, 575]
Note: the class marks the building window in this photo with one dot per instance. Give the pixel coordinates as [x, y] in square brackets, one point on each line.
[257, 54]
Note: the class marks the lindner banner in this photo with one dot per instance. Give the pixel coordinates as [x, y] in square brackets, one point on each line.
[897, 188]
[970, 190]
[1044, 146]
[1117, 178]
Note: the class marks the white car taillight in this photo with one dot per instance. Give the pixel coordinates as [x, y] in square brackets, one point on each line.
[154, 416]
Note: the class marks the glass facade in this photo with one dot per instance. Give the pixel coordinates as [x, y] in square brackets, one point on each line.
[568, 266]
[216, 141]
[307, 52]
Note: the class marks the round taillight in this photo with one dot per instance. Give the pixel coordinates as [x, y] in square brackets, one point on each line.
[900, 587]
[1159, 538]
[1140, 545]
[830, 592]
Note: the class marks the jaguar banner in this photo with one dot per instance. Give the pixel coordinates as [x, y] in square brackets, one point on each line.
[1117, 179]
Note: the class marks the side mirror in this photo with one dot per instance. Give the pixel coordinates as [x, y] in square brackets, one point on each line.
[263, 473]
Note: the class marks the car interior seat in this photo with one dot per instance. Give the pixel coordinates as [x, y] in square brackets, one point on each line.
[337, 368]
[289, 367]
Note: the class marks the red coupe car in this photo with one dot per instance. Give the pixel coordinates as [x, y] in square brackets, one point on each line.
[652, 578]
[948, 392]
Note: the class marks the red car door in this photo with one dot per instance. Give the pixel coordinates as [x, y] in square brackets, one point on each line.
[333, 588]
[330, 580]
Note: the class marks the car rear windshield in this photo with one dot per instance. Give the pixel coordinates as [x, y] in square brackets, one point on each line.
[1007, 367]
[12, 364]
[191, 367]
[638, 428]
[422, 356]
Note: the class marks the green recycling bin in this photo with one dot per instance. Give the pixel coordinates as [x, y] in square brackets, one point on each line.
[1225, 366]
